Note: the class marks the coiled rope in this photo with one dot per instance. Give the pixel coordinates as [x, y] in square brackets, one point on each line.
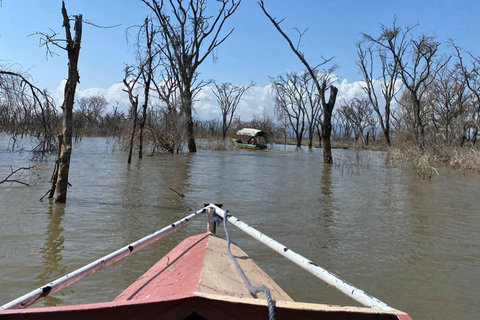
[253, 289]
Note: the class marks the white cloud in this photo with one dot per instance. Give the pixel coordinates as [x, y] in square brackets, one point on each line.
[112, 94]
[255, 101]
[349, 90]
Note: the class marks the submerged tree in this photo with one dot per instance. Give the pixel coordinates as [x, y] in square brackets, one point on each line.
[228, 98]
[88, 116]
[321, 86]
[26, 110]
[358, 113]
[130, 80]
[418, 64]
[72, 46]
[390, 70]
[471, 76]
[147, 58]
[188, 34]
[291, 99]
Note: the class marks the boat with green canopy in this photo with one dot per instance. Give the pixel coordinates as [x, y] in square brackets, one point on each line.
[253, 139]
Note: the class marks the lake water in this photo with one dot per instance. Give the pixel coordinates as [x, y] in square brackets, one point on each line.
[412, 243]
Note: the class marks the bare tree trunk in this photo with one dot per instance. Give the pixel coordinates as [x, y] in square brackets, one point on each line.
[327, 122]
[386, 126]
[140, 137]
[419, 129]
[224, 126]
[73, 49]
[319, 132]
[192, 147]
[148, 69]
[135, 115]
[187, 105]
[142, 126]
[55, 170]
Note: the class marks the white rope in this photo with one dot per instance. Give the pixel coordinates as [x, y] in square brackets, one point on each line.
[327, 276]
[253, 289]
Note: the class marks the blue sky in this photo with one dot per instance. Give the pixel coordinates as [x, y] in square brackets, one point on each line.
[254, 52]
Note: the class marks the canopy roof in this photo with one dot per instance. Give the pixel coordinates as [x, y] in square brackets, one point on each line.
[252, 133]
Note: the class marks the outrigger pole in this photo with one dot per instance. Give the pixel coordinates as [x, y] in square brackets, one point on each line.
[57, 285]
[328, 277]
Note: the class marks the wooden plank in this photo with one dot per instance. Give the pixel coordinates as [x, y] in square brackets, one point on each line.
[219, 275]
[175, 276]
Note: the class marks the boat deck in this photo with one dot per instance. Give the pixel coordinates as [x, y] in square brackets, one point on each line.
[198, 280]
[200, 264]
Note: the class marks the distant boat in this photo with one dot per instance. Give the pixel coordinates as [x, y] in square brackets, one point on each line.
[252, 139]
[199, 280]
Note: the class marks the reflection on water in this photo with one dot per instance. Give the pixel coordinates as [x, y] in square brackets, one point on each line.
[412, 243]
[52, 251]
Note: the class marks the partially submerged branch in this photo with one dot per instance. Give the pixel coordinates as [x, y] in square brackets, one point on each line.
[17, 175]
[180, 194]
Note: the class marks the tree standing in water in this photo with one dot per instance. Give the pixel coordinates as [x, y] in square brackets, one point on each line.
[73, 51]
[72, 46]
[321, 87]
[228, 98]
[188, 35]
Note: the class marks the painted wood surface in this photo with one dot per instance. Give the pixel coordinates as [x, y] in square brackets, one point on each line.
[197, 277]
[200, 264]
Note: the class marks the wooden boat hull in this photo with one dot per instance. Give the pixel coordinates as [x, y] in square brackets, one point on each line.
[197, 280]
[241, 145]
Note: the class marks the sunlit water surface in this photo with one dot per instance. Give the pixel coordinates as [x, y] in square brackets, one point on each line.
[414, 244]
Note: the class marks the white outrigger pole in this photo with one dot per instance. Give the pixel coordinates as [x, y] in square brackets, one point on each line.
[328, 277]
[74, 276]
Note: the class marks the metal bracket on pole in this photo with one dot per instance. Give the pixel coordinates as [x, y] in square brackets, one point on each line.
[211, 225]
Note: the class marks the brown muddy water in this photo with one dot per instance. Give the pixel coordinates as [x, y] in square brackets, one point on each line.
[412, 243]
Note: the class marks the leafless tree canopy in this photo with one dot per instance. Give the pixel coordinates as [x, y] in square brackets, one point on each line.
[291, 100]
[26, 110]
[374, 52]
[187, 34]
[228, 98]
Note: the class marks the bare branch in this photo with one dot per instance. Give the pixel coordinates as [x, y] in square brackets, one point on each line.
[18, 172]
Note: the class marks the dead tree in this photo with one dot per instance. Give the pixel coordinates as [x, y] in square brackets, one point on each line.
[147, 32]
[448, 99]
[130, 80]
[358, 112]
[314, 110]
[72, 46]
[228, 98]
[388, 78]
[27, 110]
[418, 66]
[291, 100]
[321, 87]
[188, 34]
[471, 75]
[169, 130]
